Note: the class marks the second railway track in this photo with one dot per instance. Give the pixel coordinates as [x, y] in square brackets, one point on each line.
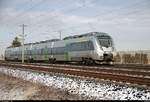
[130, 76]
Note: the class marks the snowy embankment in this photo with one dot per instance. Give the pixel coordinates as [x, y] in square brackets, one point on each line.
[79, 86]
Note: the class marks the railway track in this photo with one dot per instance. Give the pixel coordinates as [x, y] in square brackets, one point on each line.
[104, 69]
[140, 77]
[95, 66]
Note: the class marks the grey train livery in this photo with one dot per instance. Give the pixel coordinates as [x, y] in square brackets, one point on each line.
[87, 48]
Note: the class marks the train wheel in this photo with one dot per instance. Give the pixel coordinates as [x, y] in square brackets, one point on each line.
[52, 60]
[30, 60]
[84, 61]
[88, 61]
[91, 61]
[16, 60]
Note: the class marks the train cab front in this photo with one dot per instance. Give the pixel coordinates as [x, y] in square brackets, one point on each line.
[106, 48]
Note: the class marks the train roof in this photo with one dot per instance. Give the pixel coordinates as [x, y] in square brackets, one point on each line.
[69, 37]
[85, 35]
[52, 40]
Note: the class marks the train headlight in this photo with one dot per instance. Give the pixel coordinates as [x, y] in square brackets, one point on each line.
[101, 57]
[108, 56]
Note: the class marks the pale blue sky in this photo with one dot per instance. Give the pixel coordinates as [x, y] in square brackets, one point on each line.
[127, 21]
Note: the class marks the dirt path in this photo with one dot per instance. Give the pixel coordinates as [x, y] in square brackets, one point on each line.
[16, 89]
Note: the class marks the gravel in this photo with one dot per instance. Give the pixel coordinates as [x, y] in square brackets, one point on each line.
[89, 88]
[12, 88]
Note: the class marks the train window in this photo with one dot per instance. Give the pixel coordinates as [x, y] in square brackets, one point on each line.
[61, 50]
[81, 46]
[25, 52]
[33, 51]
[20, 53]
[49, 50]
[105, 41]
[45, 51]
[42, 51]
[90, 45]
[29, 52]
[58, 50]
[38, 51]
[53, 50]
[17, 53]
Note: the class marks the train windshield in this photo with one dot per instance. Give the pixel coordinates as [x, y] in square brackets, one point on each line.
[105, 41]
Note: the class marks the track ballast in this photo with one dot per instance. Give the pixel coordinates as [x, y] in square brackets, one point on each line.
[139, 75]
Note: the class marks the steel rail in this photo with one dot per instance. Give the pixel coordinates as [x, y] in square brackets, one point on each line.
[85, 73]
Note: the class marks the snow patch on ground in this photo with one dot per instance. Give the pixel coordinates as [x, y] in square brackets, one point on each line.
[88, 88]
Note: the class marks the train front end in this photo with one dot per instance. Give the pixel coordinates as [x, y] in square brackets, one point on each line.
[105, 48]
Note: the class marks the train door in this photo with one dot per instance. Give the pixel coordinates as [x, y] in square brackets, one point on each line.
[67, 52]
[46, 52]
[51, 47]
